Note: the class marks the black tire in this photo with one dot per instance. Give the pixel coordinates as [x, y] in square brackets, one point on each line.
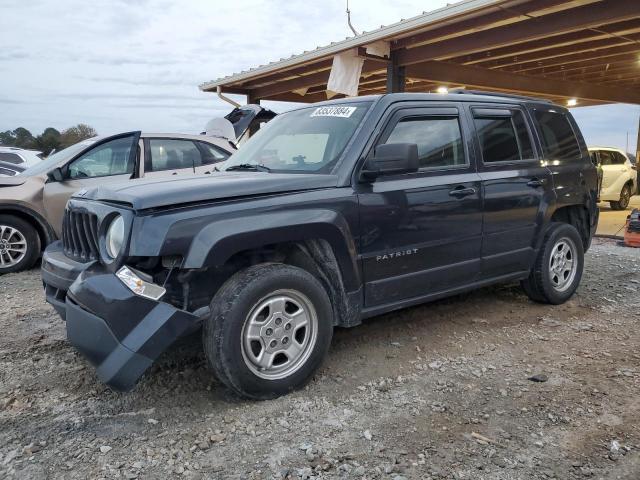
[625, 197]
[234, 304]
[540, 285]
[32, 243]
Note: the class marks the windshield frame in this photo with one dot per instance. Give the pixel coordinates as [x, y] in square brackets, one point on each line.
[335, 162]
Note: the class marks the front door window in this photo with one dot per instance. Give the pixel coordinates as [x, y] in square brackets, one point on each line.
[107, 159]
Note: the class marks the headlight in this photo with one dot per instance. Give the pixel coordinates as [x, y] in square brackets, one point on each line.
[115, 237]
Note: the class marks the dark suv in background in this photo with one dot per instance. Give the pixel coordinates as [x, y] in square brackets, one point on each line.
[333, 213]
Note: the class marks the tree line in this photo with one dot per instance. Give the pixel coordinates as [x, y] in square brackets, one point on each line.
[49, 140]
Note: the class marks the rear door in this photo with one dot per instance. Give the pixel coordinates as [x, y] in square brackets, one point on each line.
[615, 173]
[575, 178]
[114, 159]
[421, 232]
[517, 188]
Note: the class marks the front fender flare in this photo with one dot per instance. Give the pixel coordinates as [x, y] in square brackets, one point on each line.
[217, 242]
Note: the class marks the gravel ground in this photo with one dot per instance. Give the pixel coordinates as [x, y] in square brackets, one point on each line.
[437, 391]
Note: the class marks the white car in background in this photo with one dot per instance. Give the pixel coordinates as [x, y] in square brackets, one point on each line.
[619, 175]
[20, 156]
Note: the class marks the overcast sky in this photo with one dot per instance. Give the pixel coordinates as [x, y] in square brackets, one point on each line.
[136, 64]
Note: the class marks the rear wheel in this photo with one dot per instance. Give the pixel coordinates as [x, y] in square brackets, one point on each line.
[625, 197]
[269, 330]
[558, 267]
[19, 244]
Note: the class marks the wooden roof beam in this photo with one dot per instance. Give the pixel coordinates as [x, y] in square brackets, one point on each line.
[580, 18]
[507, 15]
[601, 68]
[626, 58]
[549, 43]
[312, 80]
[285, 74]
[553, 53]
[505, 81]
[308, 98]
[602, 74]
[627, 77]
[568, 59]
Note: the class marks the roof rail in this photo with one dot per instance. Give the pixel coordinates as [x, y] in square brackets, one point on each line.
[497, 94]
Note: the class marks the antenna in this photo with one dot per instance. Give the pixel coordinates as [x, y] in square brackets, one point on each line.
[355, 32]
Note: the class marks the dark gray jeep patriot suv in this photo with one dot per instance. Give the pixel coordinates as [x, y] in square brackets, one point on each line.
[330, 214]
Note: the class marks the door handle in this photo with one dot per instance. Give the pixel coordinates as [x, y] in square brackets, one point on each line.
[461, 191]
[535, 183]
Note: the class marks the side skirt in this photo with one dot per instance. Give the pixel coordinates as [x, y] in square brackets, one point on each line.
[389, 307]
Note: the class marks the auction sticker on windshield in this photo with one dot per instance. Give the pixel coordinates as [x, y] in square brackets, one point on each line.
[342, 112]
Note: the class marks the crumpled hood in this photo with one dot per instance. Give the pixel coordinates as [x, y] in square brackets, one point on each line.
[165, 192]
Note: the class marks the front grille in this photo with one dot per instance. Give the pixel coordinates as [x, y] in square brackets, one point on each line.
[80, 235]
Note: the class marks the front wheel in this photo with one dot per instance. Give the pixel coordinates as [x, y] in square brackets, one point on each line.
[269, 330]
[625, 197]
[558, 267]
[19, 244]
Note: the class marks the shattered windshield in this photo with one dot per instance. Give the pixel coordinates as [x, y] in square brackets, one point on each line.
[309, 140]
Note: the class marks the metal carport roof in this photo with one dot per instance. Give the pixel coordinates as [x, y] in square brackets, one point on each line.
[583, 49]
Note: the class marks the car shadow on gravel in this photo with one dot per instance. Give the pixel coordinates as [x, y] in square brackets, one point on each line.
[358, 355]
[184, 367]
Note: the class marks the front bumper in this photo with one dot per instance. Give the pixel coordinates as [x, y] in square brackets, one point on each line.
[119, 332]
[58, 273]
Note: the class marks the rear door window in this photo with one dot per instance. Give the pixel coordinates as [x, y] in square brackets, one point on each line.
[557, 136]
[618, 158]
[172, 154]
[608, 157]
[503, 135]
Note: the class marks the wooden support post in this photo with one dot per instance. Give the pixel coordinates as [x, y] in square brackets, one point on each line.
[395, 75]
[252, 99]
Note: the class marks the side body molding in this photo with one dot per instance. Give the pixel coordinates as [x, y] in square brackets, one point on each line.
[214, 244]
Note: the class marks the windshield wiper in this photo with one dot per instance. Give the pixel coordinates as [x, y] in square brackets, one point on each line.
[249, 167]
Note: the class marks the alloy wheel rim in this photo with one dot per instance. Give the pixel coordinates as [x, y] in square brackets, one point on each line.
[625, 197]
[13, 246]
[563, 264]
[279, 334]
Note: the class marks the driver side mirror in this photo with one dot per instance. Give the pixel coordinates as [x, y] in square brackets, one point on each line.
[56, 175]
[391, 159]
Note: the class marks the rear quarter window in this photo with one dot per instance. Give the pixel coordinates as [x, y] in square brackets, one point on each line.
[11, 158]
[558, 139]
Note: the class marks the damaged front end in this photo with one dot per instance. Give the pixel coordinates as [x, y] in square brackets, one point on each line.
[120, 332]
[119, 318]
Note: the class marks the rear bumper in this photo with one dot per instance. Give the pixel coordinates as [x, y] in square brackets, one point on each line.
[120, 333]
